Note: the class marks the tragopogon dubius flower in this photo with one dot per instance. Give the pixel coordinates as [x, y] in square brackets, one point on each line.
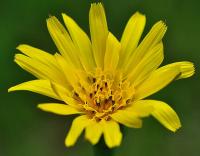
[103, 80]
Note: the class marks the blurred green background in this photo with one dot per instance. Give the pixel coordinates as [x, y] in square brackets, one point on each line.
[27, 131]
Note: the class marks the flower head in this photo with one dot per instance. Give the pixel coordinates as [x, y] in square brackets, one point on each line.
[103, 80]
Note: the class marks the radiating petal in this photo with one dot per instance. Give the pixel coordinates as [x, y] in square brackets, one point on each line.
[39, 69]
[82, 43]
[148, 64]
[152, 38]
[39, 55]
[78, 125]
[57, 108]
[93, 132]
[65, 95]
[140, 108]
[127, 118]
[112, 134]
[112, 53]
[63, 41]
[68, 70]
[186, 69]
[98, 31]
[131, 36]
[162, 77]
[38, 86]
[165, 115]
[75, 77]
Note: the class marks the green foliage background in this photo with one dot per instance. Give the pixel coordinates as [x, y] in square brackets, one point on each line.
[27, 131]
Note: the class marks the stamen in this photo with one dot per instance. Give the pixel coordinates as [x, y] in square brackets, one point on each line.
[98, 104]
[106, 94]
[106, 84]
[76, 94]
[94, 80]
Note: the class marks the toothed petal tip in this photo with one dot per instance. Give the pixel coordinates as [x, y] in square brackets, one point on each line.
[187, 69]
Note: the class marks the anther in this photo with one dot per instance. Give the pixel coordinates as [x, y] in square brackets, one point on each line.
[76, 94]
[106, 101]
[98, 104]
[113, 102]
[128, 101]
[94, 80]
[110, 98]
[106, 84]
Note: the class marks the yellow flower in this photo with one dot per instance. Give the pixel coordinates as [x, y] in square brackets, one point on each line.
[103, 80]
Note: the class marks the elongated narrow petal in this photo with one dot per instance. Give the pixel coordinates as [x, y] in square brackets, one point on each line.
[74, 76]
[63, 41]
[127, 118]
[165, 115]
[39, 55]
[162, 77]
[39, 69]
[65, 95]
[186, 69]
[68, 70]
[147, 65]
[131, 35]
[112, 53]
[82, 43]
[78, 125]
[112, 134]
[98, 31]
[57, 108]
[140, 108]
[93, 132]
[152, 38]
[38, 86]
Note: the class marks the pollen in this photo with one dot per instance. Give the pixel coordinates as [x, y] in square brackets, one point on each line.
[107, 93]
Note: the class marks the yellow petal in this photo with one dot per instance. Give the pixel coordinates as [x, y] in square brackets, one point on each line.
[39, 69]
[186, 69]
[162, 77]
[57, 108]
[140, 108]
[75, 77]
[93, 132]
[98, 31]
[63, 41]
[82, 43]
[131, 35]
[112, 134]
[152, 38]
[38, 86]
[68, 70]
[112, 53]
[65, 95]
[165, 115]
[39, 55]
[148, 64]
[78, 125]
[127, 118]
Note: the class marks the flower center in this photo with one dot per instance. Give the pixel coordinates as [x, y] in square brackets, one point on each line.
[107, 93]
